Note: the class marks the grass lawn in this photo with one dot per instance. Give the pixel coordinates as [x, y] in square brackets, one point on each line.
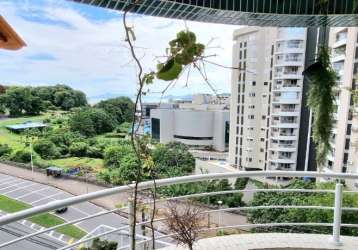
[46, 220]
[95, 164]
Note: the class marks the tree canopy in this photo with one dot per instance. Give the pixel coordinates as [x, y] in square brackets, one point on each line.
[24, 100]
[121, 108]
[91, 121]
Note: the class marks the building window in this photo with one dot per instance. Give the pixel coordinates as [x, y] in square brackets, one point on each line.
[347, 144]
[251, 117]
[265, 83]
[156, 128]
[263, 117]
[227, 129]
[252, 94]
[262, 139]
[254, 83]
[262, 150]
[345, 158]
[349, 129]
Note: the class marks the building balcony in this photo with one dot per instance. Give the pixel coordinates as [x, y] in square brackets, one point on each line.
[338, 58]
[289, 160]
[289, 62]
[280, 100]
[286, 88]
[289, 75]
[340, 42]
[283, 136]
[282, 147]
[284, 113]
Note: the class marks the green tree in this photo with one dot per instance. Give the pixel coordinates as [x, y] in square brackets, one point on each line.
[22, 155]
[91, 121]
[46, 149]
[78, 149]
[5, 150]
[302, 215]
[174, 154]
[19, 100]
[113, 156]
[121, 108]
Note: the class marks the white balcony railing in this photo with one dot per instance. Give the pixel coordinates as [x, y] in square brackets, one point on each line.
[125, 230]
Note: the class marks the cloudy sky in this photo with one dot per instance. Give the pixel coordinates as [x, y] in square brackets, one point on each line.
[83, 46]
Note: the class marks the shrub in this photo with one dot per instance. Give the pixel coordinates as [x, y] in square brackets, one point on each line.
[5, 150]
[91, 121]
[240, 183]
[94, 152]
[78, 149]
[23, 156]
[114, 154]
[46, 149]
[98, 244]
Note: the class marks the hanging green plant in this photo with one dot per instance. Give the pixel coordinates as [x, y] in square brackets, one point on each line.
[169, 71]
[321, 100]
[183, 50]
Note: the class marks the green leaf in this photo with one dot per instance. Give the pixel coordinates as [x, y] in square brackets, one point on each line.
[169, 71]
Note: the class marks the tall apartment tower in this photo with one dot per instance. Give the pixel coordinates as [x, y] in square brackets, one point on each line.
[266, 93]
[344, 49]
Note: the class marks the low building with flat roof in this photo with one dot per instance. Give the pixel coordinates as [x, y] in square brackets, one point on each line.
[26, 125]
[203, 123]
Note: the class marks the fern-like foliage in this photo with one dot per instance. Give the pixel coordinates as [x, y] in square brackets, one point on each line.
[321, 100]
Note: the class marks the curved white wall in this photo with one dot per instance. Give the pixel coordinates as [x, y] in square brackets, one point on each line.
[193, 127]
[193, 123]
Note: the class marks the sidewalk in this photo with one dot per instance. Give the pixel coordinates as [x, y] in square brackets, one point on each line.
[77, 188]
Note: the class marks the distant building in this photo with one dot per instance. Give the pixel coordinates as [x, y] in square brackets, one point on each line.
[344, 49]
[26, 125]
[202, 123]
[266, 98]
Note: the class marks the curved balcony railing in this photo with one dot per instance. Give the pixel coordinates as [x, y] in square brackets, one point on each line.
[162, 239]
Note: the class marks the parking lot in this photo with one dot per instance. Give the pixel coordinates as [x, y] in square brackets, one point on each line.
[37, 194]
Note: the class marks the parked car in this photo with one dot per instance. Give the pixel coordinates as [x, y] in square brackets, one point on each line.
[61, 210]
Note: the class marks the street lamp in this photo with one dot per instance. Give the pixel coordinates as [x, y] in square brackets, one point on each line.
[32, 163]
[220, 204]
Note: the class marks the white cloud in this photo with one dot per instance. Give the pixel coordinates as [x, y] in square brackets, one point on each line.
[91, 55]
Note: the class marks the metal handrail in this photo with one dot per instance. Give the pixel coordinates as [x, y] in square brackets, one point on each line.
[283, 224]
[163, 182]
[187, 179]
[57, 226]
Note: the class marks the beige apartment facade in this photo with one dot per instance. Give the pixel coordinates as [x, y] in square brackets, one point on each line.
[266, 97]
[344, 48]
[268, 102]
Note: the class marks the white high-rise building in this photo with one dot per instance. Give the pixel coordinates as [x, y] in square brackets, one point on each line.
[344, 49]
[266, 95]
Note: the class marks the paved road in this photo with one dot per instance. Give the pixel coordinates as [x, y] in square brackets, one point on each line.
[15, 230]
[74, 187]
[37, 194]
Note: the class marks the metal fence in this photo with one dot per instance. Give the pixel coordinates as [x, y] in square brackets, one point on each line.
[161, 239]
